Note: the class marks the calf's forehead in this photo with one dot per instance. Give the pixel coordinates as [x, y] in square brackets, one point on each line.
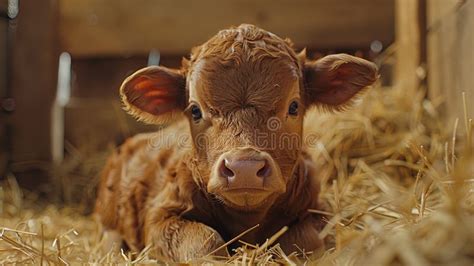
[227, 86]
[243, 66]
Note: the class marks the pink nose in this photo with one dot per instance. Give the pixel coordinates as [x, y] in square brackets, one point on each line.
[244, 172]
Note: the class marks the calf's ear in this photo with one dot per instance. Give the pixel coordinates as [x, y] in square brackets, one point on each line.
[154, 94]
[334, 80]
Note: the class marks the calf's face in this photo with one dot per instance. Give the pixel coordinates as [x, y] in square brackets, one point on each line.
[245, 93]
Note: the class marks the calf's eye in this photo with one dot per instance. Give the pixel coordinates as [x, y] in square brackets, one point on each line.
[196, 113]
[293, 109]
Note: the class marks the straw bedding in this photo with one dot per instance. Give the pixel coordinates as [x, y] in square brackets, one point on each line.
[397, 189]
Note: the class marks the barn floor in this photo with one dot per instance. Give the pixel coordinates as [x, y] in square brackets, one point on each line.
[397, 189]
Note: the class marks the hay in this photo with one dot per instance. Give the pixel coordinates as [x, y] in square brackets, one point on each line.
[397, 188]
[397, 193]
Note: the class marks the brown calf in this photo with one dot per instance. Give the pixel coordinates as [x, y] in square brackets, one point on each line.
[233, 156]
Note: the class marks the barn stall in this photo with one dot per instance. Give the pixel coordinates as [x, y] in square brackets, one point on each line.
[396, 171]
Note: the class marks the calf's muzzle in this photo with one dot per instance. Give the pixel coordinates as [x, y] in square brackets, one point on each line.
[246, 169]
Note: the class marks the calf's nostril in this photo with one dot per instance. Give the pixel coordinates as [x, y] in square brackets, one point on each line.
[264, 171]
[224, 170]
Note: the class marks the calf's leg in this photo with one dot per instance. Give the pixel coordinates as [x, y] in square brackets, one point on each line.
[180, 240]
[304, 235]
[111, 240]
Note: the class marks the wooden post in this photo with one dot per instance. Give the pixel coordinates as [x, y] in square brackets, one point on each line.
[8, 13]
[451, 56]
[4, 153]
[407, 38]
[423, 45]
[33, 82]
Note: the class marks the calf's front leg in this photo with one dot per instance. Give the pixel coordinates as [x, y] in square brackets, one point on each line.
[180, 240]
[303, 235]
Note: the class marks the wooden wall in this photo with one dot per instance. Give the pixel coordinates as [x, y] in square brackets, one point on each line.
[174, 26]
[451, 55]
[120, 35]
[109, 39]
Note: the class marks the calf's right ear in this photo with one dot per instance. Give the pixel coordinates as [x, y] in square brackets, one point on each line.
[154, 94]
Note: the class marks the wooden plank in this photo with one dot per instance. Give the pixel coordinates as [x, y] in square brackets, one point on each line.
[94, 27]
[441, 21]
[3, 57]
[4, 146]
[407, 45]
[33, 82]
[451, 55]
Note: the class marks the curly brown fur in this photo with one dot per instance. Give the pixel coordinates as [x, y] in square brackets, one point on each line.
[173, 189]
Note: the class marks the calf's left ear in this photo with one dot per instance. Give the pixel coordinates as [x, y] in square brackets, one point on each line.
[334, 80]
[154, 94]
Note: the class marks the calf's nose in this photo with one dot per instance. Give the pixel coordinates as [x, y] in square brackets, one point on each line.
[244, 173]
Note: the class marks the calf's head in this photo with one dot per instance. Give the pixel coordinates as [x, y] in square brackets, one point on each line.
[245, 93]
